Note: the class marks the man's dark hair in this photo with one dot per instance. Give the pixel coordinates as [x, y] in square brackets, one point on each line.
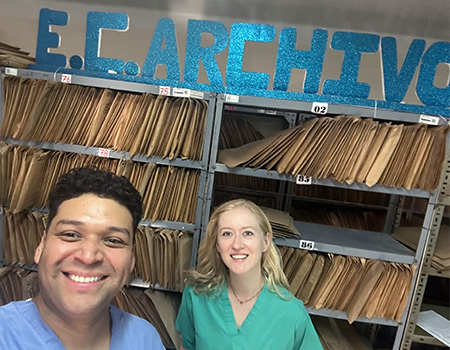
[103, 184]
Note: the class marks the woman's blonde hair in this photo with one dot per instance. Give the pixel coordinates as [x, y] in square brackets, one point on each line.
[212, 271]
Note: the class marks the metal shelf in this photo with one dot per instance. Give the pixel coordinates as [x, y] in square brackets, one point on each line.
[172, 225]
[304, 106]
[350, 242]
[95, 151]
[273, 174]
[341, 315]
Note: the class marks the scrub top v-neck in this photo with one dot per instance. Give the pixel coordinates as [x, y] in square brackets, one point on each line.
[207, 322]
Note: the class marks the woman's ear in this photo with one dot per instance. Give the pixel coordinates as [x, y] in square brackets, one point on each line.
[267, 239]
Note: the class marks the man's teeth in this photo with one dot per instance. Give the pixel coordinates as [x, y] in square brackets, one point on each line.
[239, 256]
[83, 279]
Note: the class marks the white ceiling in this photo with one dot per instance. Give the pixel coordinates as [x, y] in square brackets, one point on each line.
[416, 18]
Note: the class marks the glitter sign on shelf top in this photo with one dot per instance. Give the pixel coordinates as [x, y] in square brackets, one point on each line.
[163, 50]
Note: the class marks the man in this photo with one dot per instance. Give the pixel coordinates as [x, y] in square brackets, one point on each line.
[84, 259]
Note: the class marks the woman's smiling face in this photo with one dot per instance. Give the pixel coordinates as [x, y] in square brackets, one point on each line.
[240, 241]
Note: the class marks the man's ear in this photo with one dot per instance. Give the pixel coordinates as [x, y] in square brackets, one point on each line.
[38, 252]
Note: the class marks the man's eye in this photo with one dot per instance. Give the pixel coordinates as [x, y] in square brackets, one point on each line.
[115, 242]
[69, 236]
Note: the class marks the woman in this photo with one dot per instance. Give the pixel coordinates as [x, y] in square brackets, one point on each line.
[239, 297]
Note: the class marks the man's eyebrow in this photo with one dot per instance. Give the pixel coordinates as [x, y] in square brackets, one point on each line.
[119, 229]
[80, 223]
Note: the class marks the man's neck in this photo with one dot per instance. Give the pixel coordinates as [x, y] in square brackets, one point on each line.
[78, 332]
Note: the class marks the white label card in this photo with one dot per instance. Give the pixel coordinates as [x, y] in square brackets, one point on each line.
[66, 78]
[319, 108]
[103, 152]
[231, 98]
[164, 90]
[178, 92]
[303, 180]
[196, 94]
[11, 71]
[309, 245]
[428, 119]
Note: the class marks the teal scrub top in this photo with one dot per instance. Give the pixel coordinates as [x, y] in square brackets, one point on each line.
[207, 322]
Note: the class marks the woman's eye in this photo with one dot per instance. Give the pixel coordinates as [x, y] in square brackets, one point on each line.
[248, 233]
[226, 233]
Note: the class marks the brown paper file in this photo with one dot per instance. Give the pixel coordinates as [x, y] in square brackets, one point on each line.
[396, 167]
[185, 114]
[331, 147]
[301, 272]
[338, 334]
[312, 279]
[39, 106]
[139, 141]
[372, 151]
[337, 266]
[289, 158]
[384, 156]
[184, 251]
[275, 151]
[429, 177]
[289, 266]
[237, 156]
[341, 284]
[348, 150]
[354, 278]
[167, 305]
[312, 143]
[374, 269]
[364, 150]
[158, 130]
[420, 154]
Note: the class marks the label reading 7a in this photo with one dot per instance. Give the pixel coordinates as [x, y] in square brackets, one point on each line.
[309, 245]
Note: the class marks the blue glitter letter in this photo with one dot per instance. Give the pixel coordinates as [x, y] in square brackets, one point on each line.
[165, 31]
[241, 32]
[396, 84]
[47, 39]
[354, 44]
[195, 52]
[429, 94]
[289, 58]
[95, 22]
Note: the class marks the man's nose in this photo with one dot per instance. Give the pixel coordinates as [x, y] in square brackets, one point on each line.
[89, 252]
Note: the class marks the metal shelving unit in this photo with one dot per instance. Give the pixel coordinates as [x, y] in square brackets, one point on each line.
[200, 165]
[364, 244]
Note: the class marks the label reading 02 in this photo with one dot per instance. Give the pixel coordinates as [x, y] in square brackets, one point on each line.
[309, 245]
[319, 108]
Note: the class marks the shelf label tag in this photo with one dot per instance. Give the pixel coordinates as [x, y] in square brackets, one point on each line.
[428, 119]
[103, 152]
[309, 245]
[178, 92]
[197, 94]
[11, 71]
[66, 78]
[303, 180]
[164, 90]
[231, 98]
[319, 108]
